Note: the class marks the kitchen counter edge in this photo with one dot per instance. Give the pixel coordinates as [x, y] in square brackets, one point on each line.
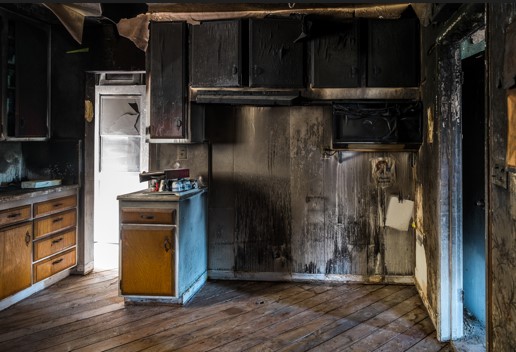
[27, 193]
[147, 196]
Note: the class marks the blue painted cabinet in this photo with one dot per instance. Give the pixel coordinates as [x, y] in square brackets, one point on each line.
[163, 246]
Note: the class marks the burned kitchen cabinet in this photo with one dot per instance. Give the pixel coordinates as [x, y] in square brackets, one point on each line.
[336, 60]
[163, 245]
[216, 54]
[15, 250]
[393, 53]
[275, 57]
[25, 84]
[167, 81]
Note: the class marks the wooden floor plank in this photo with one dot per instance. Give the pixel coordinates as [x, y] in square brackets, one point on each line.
[183, 327]
[258, 338]
[428, 344]
[169, 319]
[390, 331]
[200, 338]
[409, 338]
[85, 313]
[344, 332]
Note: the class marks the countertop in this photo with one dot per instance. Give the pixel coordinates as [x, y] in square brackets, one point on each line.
[10, 195]
[166, 196]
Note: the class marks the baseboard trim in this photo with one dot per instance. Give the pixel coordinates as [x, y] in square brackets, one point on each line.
[278, 276]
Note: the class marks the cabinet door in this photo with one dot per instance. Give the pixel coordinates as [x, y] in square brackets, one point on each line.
[25, 88]
[31, 80]
[147, 260]
[336, 56]
[393, 56]
[167, 84]
[215, 54]
[274, 59]
[15, 259]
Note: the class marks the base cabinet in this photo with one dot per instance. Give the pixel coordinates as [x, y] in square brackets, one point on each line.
[163, 247]
[15, 259]
[148, 266]
[38, 239]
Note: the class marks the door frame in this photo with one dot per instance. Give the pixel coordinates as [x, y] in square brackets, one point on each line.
[450, 315]
[117, 90]
[85, 256]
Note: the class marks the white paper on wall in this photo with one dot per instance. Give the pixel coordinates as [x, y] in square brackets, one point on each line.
[399, 213]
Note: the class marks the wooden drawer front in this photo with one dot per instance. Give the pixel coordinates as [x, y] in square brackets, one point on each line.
[11, 216]
[148, 216]
[54, 244]
[54, 264]
[54, 205]
[54, 223]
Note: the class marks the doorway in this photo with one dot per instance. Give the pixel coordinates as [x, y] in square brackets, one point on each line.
[473, 190]
[120, 155]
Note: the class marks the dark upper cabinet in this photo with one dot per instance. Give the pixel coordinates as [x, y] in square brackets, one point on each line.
[393, 53]
[336, 55]
[25, 77]
[274, 59]
[167, 81]
[216, 54]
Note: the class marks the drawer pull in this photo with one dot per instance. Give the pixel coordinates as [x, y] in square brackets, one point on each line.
[55, 205]
[57, 220]
[147, 217]
[13, 215]
[57, 241]
[57, 261]
[27, 238]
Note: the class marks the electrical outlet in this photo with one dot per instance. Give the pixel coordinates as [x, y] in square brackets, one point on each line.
[182, 152]
[499, 175]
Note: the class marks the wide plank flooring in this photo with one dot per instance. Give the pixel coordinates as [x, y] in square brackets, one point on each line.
[86, 314]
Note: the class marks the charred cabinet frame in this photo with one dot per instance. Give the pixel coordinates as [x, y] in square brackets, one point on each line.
[25, 78]
[377, 125]
[163, 247]
[167, 82]
[217, 55]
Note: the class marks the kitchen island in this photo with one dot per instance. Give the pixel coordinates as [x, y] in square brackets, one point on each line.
[163, 245]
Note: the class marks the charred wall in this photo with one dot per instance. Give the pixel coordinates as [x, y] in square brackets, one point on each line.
[279, 205]
[502, 229]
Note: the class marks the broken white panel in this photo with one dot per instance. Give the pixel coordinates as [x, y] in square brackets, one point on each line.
[399, 213]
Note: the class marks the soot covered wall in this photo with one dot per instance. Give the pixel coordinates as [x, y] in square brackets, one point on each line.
[278, 208]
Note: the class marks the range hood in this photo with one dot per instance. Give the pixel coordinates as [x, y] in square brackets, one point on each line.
[246, 97]
[386, 125]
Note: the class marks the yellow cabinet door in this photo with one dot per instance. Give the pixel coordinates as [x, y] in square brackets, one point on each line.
[147, 260]
[15, 259]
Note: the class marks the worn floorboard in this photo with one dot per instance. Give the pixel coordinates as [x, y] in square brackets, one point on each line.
[86, 314]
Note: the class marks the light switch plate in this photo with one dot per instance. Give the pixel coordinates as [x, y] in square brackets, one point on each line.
[182, 152]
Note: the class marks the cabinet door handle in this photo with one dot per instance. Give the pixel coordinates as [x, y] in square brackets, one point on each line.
[55, 205]
[167, 245]
[13, 215]
[147, 217]
[57, 220]
[27, 238]
[235, 70]
[57, 261]
[179, 123]
[57, 241]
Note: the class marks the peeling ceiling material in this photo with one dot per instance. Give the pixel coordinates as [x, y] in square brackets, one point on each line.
[195, 14]
[136, 28]
[72, 16]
